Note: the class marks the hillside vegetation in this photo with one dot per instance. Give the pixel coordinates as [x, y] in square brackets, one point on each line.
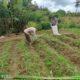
[49, 56]
[17, 15]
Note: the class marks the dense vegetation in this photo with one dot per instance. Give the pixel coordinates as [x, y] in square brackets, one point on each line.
[19, 14]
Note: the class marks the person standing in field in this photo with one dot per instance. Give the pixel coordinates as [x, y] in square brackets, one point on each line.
[54, 26]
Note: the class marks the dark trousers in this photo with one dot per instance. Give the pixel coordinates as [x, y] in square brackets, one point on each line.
[28, 39]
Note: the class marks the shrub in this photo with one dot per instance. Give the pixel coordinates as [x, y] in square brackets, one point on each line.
[45, 25]
[35, 24]
[32, 24]
[35, 16]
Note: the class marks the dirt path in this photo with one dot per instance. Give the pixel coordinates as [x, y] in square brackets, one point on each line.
[11, 37]
[16, 61]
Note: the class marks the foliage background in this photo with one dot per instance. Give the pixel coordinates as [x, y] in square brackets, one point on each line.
[17, 15]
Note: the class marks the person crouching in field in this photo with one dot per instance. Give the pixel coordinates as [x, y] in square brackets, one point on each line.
[54, 26]
[30, 35]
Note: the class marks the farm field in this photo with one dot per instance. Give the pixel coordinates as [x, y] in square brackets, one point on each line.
[49, 56]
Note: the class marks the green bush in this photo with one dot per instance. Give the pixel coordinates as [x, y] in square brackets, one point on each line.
[4, 20]
[4, 12]
[45, 25]
[32, 24]
[35, 16]
[35, 24]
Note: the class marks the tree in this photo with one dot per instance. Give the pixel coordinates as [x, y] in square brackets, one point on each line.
[19, 4]
[26, 3]
[16, 4]
[61, 13]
